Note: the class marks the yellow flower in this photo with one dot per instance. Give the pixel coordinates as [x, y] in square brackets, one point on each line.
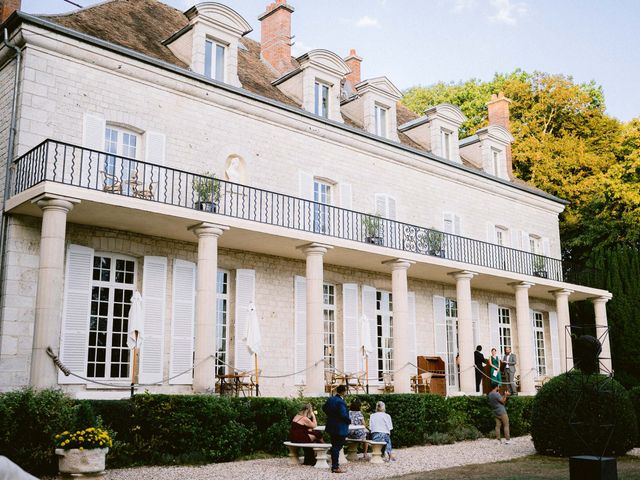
[81, 449]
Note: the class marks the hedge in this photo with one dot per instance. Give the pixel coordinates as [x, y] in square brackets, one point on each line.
[634, 395]
[192, 429]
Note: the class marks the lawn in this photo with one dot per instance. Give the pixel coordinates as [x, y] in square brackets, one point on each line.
[534, 467]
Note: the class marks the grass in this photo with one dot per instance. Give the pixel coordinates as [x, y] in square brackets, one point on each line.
[534, 467]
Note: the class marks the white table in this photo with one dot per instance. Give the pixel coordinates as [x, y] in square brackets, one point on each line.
[342, 459]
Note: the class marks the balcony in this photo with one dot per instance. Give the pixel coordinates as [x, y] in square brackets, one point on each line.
[71, 165]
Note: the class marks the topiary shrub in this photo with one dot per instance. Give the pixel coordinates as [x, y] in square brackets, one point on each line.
[569, 409]
[634, 395]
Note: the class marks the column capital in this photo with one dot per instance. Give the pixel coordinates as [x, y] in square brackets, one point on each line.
[206, 229]
[55, 202]
[462, 274]
[314, 248]
[602, 299]
[561, 292]
[521, 285]
[399, 263]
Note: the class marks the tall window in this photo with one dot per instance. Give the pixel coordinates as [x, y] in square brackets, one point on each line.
[381, 120]
[329, 314]
[451, 318]
[121, 142]
[321, 106]
[504, 329]
[495, 159]
[446, 143]
[501, 236]
[538, 334]
[214, 60]
[222, 322]
[384, 329]
[321, 195]
[112, 285]
[535, 245]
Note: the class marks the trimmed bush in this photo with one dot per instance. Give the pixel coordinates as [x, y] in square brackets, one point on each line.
[569, 413]
[634, 395]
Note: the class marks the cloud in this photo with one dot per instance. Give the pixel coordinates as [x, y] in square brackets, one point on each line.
[299, 48]
[507, 11]
[463, 5]
[367, 21]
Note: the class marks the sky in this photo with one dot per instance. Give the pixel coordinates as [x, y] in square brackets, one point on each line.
[421, 42]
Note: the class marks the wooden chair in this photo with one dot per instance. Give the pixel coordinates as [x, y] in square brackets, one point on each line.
[356, 382]
[330, 381]
[245, 384]
[387, 379]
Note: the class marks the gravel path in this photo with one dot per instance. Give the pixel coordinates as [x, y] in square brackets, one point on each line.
[410, 460]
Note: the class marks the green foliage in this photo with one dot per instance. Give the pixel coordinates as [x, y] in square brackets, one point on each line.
[634, 396]
[438, 438]
[570, 410]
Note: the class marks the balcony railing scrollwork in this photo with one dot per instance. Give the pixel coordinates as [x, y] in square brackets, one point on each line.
[85, 168]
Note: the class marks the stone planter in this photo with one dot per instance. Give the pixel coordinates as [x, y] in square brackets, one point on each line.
[81, 461]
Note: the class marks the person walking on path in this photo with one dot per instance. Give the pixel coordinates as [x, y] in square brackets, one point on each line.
[497, 403]
[480, 362]
[338, 421]
[510, 370]
[494, 362]
[381, 425]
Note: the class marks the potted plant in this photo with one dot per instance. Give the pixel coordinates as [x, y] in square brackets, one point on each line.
[435, 240]
[540, 266]
[83, 451]
[371, 225]
[207, 187]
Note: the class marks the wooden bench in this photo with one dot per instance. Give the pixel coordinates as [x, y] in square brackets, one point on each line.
[376, 451]
[351, 446]
[319, 449]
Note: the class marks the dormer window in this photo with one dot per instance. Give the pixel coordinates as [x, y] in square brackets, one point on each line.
[446, 143]
[321, 104]
[214, 53]
[496, 161]
[381, 120]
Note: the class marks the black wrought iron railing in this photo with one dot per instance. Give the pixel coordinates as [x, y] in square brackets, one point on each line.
[113, 174]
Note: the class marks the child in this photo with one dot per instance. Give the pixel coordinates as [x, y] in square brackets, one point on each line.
[381, 425]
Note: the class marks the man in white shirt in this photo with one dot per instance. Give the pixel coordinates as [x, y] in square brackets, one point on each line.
[381, 425]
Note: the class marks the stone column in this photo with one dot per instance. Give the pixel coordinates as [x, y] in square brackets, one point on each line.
[564, 339]
[50, 293]
[401, 334]
[525, 339]
[465, 332]
[315, 320]
[204, 377]
[600, 309]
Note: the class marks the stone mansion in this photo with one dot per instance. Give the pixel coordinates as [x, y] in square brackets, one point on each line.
[147, 149]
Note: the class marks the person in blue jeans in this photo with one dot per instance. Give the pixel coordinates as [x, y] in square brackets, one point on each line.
[381, 425]
[338, 421]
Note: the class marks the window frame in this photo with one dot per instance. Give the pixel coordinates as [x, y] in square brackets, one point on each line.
[496, 161]
[118, 148]
[322, 198]
[111, 285]
[321, 102]
[452, 329]
[446, 143]
[384, 343]
[539, 343]
[504, 329]
[381, 120]
[222, 322]
[329, 326]
[215, 58]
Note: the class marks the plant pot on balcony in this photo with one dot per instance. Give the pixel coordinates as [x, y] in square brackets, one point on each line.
[76, 461]
[374, 240]
[436, 253]
[207, 206]
[541, 273]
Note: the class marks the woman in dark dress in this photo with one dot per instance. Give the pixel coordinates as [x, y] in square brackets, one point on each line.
[302, 431]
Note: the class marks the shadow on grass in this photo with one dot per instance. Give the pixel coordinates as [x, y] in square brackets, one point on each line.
[534, 467]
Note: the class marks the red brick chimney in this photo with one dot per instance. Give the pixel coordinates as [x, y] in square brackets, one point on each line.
[498, 108]
[354, 61]
[7, 7]
[275, 33]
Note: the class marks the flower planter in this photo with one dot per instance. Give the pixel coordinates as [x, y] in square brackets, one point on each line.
[207, 206]
[374, 240]
[541, 273]
[81, 461]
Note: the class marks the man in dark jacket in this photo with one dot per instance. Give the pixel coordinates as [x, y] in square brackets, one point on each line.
[480, 362]
[337, 424]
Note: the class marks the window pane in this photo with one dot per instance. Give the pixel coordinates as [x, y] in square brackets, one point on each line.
[208, 46]
[220, 63]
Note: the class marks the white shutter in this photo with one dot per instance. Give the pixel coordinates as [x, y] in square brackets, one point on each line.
[494, 328]
[245, 294]
[412, 328]
[546, 247]
[514, 238]
[381, 205]
[526, 246]
[93, 131]
[306, 185]
[369, 310]
[475, 323]
[345, 196]
[555, 344]
[351, 328]
[457, 229]
[76, 311]
[183, 321]
[440, 327]
[155, 152]
[391, 208]
[491, 233]
[154, 298]
[300, 329]
[448, 223]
